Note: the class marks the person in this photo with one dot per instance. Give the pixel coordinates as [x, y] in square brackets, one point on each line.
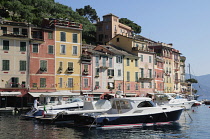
[36, 102]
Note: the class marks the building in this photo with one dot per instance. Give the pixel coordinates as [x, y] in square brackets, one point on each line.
[42, 61]
[109, 27]
[14, 58]
[68, 45]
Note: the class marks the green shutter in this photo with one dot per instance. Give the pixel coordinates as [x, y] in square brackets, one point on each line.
[5, 45]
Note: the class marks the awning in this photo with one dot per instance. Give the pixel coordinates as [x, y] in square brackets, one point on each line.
[10, 93]
[130, 94]
[53, 94]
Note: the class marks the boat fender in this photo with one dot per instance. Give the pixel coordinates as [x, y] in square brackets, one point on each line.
[105, 120]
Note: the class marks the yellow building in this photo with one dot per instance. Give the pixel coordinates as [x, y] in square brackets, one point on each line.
[68, 40]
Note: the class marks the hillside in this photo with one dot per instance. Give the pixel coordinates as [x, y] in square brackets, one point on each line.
[203, 85]
[33, 11]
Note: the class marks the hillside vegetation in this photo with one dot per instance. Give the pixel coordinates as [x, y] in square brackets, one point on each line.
[33, 11]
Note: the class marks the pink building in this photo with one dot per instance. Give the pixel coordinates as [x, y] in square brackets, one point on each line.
[42, 61]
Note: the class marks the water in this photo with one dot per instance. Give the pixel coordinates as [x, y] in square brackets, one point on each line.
[12, 127]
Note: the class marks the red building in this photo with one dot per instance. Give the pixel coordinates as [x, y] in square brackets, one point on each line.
[42, 61]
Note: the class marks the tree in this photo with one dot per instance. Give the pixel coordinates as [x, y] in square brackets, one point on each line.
[88, 12]
[134, 26]
[192, 80]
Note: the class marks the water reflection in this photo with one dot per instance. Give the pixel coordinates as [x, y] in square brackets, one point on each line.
[12, 127]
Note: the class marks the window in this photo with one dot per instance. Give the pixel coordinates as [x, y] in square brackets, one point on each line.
[100, 37]
[119, 86]
[75, 40]
[128, 62]
[60, 66]
[42, 82]
[24, 32]
[142, 84]
[97, 61]
[74, 50]
[4, 29]
[110, 85]
[43, 65]
[86, 68]
[35, 48]
[97, 71]
[85, 82]
[119, 72]
[150, 85]
[137, 86]
[118, 59]
[34, 85]
[60, 82]
[50, 35]
[136, 76]
[107, 27]
[5, 64]
[63, 49]
[145, 104]
[5, 45]
[110, 72]
[63, 36]
[136, 62]
[128, 86]
[142, 73]
[110, 62]
[70, 66]
[118, 39]
[104, 61]
[96, 85]
[150, 73]
[128, 76]
[142, 58]
[22, 46]
[16, 31]
[50, 49]
[150, 59]
[22, 65]
[70, 82]
[15, 82]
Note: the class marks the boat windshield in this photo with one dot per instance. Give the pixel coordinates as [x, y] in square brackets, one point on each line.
[121, 104]
[146, 104]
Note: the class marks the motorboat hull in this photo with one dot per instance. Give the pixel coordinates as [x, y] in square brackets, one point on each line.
[104, 120]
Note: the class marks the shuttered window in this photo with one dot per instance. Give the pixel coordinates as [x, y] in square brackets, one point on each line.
[42, 82]
[63, 36]
[75, 40]
[22, 46]
[70, 82]
[22, 65]
[50, 49]
[43, 65]
[5, 65]
[5, 45]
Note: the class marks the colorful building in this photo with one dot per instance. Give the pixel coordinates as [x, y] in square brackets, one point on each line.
[14, 42]
[42, 61]
[68, 42]
[109, 27]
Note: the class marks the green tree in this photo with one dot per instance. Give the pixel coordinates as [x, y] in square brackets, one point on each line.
[134, 26]
[192, 80]
[88, 12]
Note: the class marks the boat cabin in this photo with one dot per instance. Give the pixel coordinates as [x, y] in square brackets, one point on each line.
[123, 105]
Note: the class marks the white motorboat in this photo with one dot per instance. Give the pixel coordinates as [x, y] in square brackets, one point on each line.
[131, 112]
[61, 116]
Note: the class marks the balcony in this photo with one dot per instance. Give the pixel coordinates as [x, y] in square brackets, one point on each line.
[145, 78]
[104, 67]
[177, 80]
[70, 70]
[42, 69]
[13, 34]
[135, 48]
[60, 69]
[85, 72]
[86, 58]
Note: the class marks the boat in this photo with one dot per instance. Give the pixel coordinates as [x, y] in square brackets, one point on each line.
[173, 100]
[68, 116]
[58, 103]
[130, 112]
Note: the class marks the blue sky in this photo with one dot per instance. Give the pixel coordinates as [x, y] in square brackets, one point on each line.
[184, 23]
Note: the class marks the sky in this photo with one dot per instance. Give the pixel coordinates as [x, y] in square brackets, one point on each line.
[184, 23]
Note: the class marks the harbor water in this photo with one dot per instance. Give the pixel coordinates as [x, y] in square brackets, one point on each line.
[193, 124]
